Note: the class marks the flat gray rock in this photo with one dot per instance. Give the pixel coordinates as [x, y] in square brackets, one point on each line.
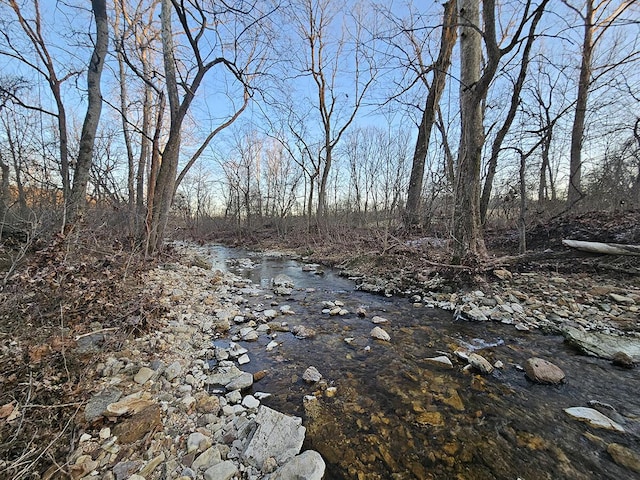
[278, 435]
[97, 405]
[602, 345]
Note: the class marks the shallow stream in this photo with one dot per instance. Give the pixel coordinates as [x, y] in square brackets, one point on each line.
[396, 416]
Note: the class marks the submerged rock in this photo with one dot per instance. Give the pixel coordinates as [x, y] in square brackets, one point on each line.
[542, 371]
[624, 456]
[311, 375]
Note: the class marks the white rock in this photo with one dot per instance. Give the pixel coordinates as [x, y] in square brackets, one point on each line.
[311, 375]
[441, 360]
[243, 359]
[271, 345]
[309, 465]
[207, 459]
[594, 418]
[378, 320]
[380, 334]
[222, 471]
[250, 402]
[480, 363]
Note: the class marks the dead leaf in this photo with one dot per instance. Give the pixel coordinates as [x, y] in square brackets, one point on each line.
[6, 410]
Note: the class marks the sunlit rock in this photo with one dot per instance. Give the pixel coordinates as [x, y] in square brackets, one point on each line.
[380, 334]
[593, 418]
[481, 364]
[309, 465]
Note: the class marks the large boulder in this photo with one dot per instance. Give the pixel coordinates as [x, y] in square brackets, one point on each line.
[277, 435]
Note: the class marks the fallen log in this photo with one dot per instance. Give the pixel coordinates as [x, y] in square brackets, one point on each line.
[604, 248]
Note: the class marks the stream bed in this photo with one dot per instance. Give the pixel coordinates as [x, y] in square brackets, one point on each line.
[395, 415]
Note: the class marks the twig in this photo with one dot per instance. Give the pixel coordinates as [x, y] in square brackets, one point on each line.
[111, 329]
[61, 405]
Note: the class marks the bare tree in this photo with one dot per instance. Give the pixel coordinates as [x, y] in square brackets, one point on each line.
[475, 81]
[77, 199]
[597, 18]
[235, 28]
[326, 59]
[37, 57]
[440, 68]
[515, 102]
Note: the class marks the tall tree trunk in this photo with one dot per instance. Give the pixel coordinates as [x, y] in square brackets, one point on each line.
[94, 107]
[575, 193]
[440, 69]
[467, 230]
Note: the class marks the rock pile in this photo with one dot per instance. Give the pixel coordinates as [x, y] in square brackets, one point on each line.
[172, 405]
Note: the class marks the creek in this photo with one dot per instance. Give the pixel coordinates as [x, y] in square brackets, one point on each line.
[395, 415]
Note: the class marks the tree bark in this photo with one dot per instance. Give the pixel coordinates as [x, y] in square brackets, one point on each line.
[467, 230]
[77, 202]
[575, 193]
[440, 69]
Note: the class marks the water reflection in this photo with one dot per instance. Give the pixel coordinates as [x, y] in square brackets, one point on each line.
[397, 416]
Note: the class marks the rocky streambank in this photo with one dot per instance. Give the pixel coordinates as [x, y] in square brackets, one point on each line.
[171, 404]
[176, 402]
[598, 315]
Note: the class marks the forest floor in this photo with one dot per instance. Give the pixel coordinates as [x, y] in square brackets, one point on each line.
[71, 288]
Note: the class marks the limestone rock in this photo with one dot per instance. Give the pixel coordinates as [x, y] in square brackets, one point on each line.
[222, 471]
[542, 371]
[309, 465]
[442, 361]
[173, 371]
[143, 375]
[380, 334]
[207, 459]
[593, 418]
[602, 345]
[244, 380]
[278, 435]
[480, 363]
[311, 375]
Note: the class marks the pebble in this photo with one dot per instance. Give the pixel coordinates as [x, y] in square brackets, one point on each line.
[480, 363]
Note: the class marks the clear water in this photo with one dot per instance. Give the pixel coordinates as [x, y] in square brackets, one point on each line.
[396, 416]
